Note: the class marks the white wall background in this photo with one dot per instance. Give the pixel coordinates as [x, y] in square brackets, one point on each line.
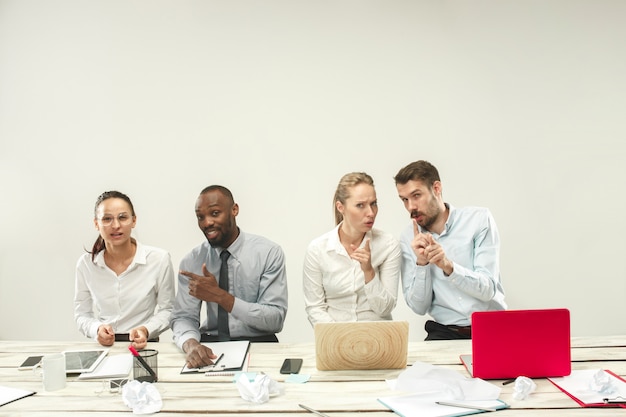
[520, 104]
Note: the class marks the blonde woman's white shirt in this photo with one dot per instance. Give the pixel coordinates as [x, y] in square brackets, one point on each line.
[334, 284]
[142, 295]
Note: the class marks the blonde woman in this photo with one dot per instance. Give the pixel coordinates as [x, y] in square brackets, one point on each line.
[351, 273]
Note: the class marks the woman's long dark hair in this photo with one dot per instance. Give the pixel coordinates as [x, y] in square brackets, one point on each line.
[99, 245]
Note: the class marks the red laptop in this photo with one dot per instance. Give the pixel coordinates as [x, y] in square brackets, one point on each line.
[511, 343]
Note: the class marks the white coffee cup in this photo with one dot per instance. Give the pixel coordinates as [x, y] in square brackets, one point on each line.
[53, 371]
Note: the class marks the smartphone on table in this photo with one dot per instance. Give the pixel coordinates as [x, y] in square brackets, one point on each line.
[30, 363]
[291, 366]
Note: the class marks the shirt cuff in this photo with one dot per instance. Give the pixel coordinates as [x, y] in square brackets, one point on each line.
[240, 309]
[183, 338]
[456, 274]
[93, 331]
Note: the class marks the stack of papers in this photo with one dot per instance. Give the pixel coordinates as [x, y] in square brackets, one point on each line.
[437, 392]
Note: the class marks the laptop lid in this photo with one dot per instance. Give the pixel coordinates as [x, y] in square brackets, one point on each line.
[512, 343]
[361, 345]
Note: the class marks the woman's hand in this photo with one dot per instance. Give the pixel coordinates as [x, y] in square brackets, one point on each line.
[106, 335]
[364, 257]
[139, 337]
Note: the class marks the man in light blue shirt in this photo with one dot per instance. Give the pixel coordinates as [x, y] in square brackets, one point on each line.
[450, 256]
[253, 300]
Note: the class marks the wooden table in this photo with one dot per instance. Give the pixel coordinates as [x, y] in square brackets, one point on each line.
[337, 393]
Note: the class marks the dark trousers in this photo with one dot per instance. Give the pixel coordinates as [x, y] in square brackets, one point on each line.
[266, 338]
[438, 331]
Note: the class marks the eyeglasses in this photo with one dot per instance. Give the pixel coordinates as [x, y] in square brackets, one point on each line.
[122, 218]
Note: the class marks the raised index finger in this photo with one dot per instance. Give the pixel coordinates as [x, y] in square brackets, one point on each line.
[189, 275]
[416, 230]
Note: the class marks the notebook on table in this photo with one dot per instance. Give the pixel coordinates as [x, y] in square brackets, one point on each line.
[231, 356]
[361, 345]
[511, 343]
[10, 394]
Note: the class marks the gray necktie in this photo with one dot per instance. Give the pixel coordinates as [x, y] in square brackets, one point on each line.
[223, 333]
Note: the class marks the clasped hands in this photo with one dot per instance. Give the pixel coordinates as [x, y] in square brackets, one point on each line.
[429, 251]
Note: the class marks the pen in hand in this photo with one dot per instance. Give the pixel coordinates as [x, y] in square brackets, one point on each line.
[219, 358]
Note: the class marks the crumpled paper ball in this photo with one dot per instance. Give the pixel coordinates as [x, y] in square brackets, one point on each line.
[524, 386]
[142, 397]
[602, 383]
[258, 390]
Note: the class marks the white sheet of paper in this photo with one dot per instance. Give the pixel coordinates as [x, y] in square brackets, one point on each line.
[424, 377]
[579, 384]
[235, 353]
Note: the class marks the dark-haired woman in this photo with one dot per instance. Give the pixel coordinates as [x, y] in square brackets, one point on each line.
[124, 290]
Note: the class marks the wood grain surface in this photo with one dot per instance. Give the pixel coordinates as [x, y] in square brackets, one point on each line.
[361, 345]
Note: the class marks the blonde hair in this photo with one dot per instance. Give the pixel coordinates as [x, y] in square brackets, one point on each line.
[343, 190]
